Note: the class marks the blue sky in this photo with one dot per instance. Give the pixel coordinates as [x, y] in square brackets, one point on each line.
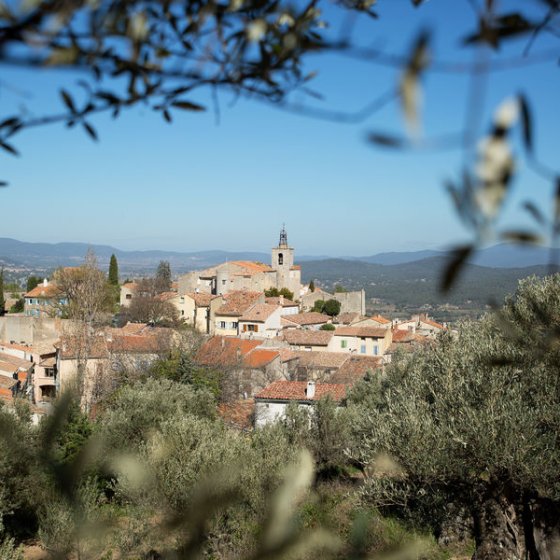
[197, 185]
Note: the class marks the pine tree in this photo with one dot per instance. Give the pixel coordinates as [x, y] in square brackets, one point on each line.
[2, 300]
[113, 271]
[311, 286]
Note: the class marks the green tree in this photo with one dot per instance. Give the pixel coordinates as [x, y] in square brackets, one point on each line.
[328, 327]
[312, 286]
[332, 307]
[339, 289]
[318, 306]
[2, 299]
[113, 271]
[163, 277]
[18, 306]
[475, 422]
[32, 282]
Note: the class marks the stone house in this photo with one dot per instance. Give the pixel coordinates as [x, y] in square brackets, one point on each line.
[226, 311]
[45, 300]
[128, 290]
[271, 402]
[310, 320]
[309, 340]
[103, 358]
[420, 324]
[261, 320]
[377, 321]
[368, 341]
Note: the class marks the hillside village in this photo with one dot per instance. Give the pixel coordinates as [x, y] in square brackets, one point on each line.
[272, 349]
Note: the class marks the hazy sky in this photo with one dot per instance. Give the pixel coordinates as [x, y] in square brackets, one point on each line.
[197, 185]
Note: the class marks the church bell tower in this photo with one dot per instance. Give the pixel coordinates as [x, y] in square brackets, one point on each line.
[283, 261]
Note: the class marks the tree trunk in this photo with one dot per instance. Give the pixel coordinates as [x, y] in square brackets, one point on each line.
[512, 527]
[545, 525]
[499, 530]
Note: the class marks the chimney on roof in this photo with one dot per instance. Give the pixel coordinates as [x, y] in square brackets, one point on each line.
[45, 282]
[223, 342]
[310, 390]
[281, 299]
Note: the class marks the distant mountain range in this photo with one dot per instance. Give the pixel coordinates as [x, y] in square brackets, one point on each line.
[52, 255]
[408, 280]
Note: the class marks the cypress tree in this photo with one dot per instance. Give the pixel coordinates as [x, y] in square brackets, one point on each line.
[311, 286]
[113, 271]
[2, 300]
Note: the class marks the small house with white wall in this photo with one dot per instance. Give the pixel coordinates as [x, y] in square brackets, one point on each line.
[271, 402]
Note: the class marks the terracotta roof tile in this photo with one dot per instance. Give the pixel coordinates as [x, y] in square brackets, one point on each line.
[252, 267]
[362, 332]
[307, 338]
[259, 358]
[296, 391]
[380, 319]
[318, 359]
[354, 369]
[41, 291]
[224, 351]
[432, 323]
[236, 303]
[8, 367]
[18, 362]
[238, 414]
[347, 318]
[258, 313]
[201, 299]
[309, 318]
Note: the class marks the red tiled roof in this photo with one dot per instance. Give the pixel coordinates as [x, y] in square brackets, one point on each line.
[380, 319]
[221, 350]
[308, 338]
[347, 318]
[236, 303]
[309, 318]
[355, 369]
[432, 323]
[296, 391]
[18, 362]
[8, 367]
[258, 313]
[238, 414]
[259, 358]
[131, 328]
[296, 267]
[401, 335]
[252, 267]
[201, 299]
[41, 291]
[285, 302]
[319, 359]
[362, 332]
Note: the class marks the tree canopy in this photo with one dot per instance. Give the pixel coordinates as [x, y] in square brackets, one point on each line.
[475, 420]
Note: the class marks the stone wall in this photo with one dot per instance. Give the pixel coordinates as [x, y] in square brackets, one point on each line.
[30, 330]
